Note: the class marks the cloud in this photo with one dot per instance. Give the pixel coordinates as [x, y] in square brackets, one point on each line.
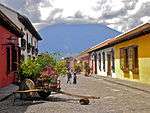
[121, 15]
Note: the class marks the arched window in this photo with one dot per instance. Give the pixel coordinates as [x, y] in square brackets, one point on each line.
[113, 60]
[100, 61]
[103, 61]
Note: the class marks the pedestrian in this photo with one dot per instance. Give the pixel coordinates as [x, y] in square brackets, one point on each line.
[68, 78]
[74, 78]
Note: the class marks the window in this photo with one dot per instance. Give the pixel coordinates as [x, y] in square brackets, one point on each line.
[95, 62]
[32, 40]
[35, 44]
[8, 59]
[113, 61]
[14, 59]
[103, 61]
[23, 44]
[124, 59]
[133, 59]
[27, 38]
[100, 61]
[129, 59]
[19, 55]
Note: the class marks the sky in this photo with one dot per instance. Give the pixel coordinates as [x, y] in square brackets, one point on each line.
[120, 15]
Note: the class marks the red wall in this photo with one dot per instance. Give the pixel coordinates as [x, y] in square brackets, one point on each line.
[5, 79]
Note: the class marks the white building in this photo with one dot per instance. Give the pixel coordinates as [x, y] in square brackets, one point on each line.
[102, 59]
[29, 42]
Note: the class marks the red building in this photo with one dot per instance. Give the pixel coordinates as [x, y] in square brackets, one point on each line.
[9, 50]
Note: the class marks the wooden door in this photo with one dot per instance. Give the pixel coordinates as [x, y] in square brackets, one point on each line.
[108, 65]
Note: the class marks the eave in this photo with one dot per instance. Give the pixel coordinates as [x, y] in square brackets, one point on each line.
[8, 24]
[26, 22]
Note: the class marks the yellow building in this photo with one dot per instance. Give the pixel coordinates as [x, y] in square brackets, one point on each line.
[132, 54]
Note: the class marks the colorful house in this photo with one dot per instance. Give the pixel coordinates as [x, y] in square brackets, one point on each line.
[102, 59]
[19, 39]
[132, 54]
[29, 42]
[9, 50]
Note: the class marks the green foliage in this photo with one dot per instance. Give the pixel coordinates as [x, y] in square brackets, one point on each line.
[77, 67]
[61, 67]
[27, 68]
[31, 68]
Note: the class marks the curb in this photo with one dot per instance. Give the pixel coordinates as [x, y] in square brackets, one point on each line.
[5, 97]
[7, 91]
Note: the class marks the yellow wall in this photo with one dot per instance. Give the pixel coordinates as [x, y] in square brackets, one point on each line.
[143, 44]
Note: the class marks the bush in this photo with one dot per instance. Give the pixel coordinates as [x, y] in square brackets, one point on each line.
[31, 68]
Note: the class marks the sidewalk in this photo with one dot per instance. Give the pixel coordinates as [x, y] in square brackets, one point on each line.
[7, 91]
[131, 84]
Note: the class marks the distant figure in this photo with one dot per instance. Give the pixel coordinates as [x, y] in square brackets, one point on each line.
[68, 77]
[74, 78]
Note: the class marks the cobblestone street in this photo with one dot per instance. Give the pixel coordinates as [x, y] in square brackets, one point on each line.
[114, 98]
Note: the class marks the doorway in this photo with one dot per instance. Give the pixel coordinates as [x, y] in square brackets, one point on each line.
[109, 64]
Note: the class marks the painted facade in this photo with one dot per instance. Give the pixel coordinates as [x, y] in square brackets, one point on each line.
[102, 62]
[125, 56]
[19, 39]
[29, 42]
[102, 59]
[132, 56]
[9, 50]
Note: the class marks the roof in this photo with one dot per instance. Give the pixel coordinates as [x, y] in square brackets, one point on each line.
[26, 22]
[131, 34]
[101, 45]
[6, 22]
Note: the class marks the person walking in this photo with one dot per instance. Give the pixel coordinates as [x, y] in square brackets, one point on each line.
[74, 78]
[68, 78]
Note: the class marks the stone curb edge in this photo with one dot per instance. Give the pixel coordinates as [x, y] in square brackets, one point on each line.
[5, 97]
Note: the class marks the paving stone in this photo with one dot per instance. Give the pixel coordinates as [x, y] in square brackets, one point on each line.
[115, 98]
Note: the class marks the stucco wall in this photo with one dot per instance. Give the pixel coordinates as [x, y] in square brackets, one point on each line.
[102, 72]
[5, 79]
[12, 15]
[143, 44]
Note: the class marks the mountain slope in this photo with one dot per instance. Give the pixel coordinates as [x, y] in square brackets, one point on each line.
[73, 38]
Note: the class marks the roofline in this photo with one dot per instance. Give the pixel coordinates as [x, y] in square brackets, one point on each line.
[9, 8]
[94, 48]
[37, 34]
[128, 31]
[133, 33]
[121, 38]
[27, 23]
[10, 25]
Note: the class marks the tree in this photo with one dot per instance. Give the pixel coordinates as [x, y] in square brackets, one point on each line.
[31, 68]
[61, 68]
